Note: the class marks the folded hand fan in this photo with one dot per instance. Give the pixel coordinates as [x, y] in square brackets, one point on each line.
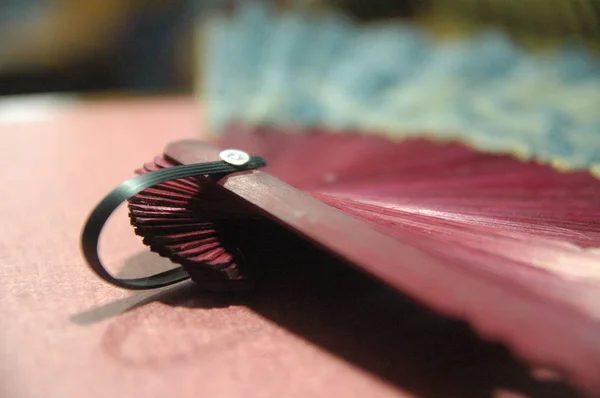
[460, 173]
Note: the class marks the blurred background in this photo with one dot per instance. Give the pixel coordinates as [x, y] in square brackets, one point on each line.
[96, 45]
[147, 46]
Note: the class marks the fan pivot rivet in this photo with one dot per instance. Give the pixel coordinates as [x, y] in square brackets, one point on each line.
[235, 157]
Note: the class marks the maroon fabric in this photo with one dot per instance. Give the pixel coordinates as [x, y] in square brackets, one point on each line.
[506, 245]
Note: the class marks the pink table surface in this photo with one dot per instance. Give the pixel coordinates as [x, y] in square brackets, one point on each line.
[65, 333]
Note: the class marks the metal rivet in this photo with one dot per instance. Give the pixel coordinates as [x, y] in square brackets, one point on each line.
[235, 157]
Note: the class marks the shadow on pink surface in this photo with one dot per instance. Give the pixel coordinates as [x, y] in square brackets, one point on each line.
[333, 307]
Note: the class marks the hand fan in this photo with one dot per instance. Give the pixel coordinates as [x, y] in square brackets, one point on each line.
[423, 163]
[504, 244]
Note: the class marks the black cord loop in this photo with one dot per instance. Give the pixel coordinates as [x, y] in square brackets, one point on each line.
[96, 220]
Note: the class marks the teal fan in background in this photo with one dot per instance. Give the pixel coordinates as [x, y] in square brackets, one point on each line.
[306, 69]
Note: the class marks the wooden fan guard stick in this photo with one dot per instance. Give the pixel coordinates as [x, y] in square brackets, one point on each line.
[540, 331]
